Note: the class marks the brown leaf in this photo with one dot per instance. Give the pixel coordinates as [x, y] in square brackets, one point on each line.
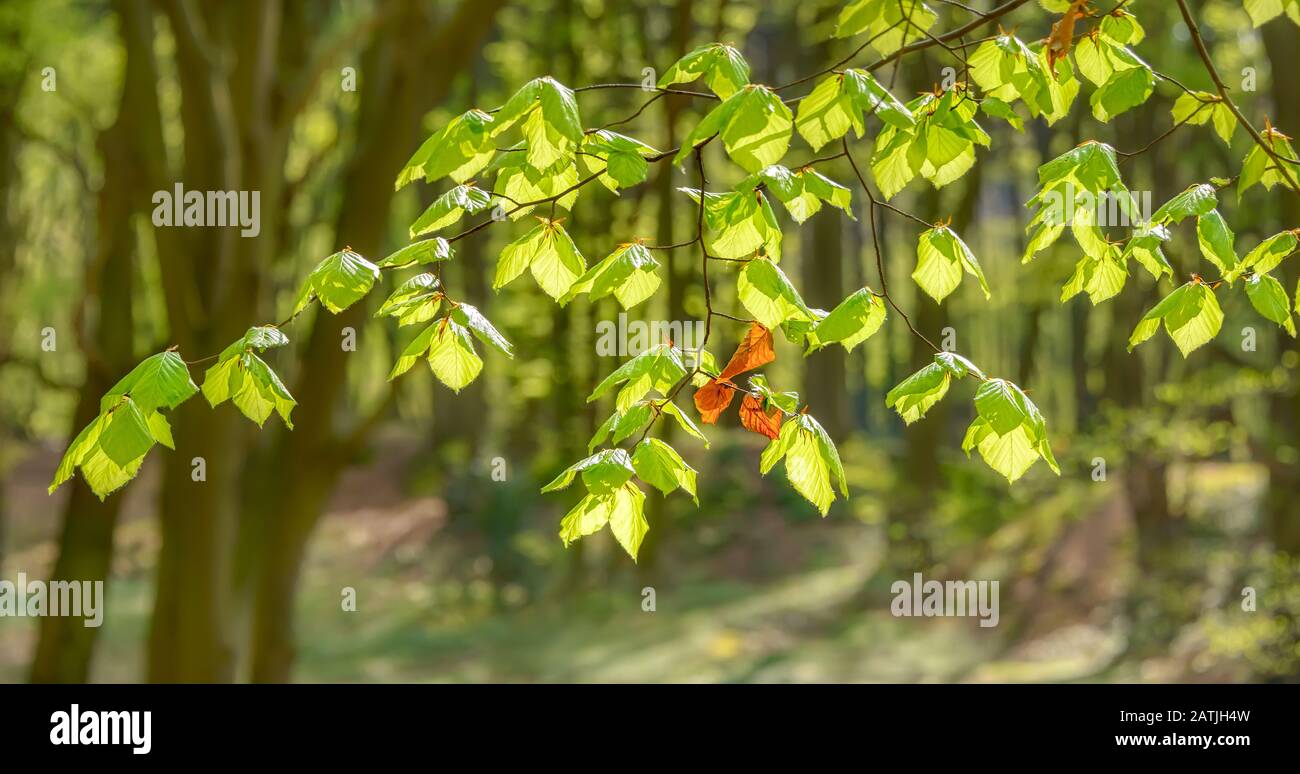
[754, 351]
[752, 417]
[712, 399]
[1062, 37]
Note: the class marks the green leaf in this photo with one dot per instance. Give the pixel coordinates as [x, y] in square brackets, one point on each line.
[685, 422]
[1196, 200]
[999, 109]
[627, 518]
[1101, 277]
[852, 322]
[811, 461]
[660, 466]
[549, 253]
[839, 102]
[104, 476]
[1262, 11]
[914, 396]
[452, 357]
[264, 337]
[767, 294]
[602, 472]
[1216, 241]
[414, 301]
[588, 517]
[619, 160]
[786, 401]
[338, 282]
[1007, 69]
[941, 257]
[622, 509]
[450, 208]
[127, 437]
[421, 252]
[723, 68]
[1125, 90]
[941, 147]
[1002, 404]
[659, 369]
[1191, 317]
[739, 223]
[459, 150]
[1144, 247]
[755, 126]
[82, 447]
[517, 181]
[1122, 27]
[890, 24]
[159, 381]
[1261, 169]
[1009, 431]
[630, 273]
[801, 192]
[1266, 255]
[247, 381]
[161, 430]
[411, 354]
[471, 318]
[632, 421]
[1270, 299]
[547, 111]
[1196, 108]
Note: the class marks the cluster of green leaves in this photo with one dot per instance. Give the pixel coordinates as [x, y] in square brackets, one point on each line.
[1259, 168]
[630, 274]
[723, 68]
[941, 259]
[1008, 430]
[539, 153]
[1006, 69]
[110, 450]
[1077, 189]
[939, 145]
[891, 24]
[1122, 79]
[338, 282]
[812, 464]
[1191, 314]
[754, 124]
[739, 224]
[549, 253]
[1201, 107]
[841, 101]
[244, 378]
[645, 383]
[447, 344]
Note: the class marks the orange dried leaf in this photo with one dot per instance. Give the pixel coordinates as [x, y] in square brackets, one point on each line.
[752, 417]
[712, 399]
[1062, 37]
[755, 350]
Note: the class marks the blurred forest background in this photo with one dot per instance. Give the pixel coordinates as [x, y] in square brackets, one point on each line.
[387, 489]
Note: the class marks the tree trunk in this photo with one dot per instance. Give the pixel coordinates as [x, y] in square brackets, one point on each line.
[401, 87]
[65, 646]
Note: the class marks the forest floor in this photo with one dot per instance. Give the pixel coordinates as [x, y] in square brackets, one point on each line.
[426, 612]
